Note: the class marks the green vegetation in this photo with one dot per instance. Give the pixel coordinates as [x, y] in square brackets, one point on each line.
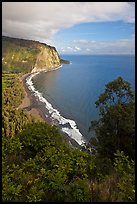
[6, 80]
[38, 166]
[13, 119]
[64, 61]
[125, 170]
[18, 55]
[13, 93]
[21, 56]
[115, 130]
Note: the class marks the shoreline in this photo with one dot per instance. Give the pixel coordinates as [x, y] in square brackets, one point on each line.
[32, 105]
[29, 103]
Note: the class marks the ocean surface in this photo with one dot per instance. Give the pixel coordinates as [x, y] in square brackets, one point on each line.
[69, 93]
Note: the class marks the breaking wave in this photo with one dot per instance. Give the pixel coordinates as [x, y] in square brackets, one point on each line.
[68, 126]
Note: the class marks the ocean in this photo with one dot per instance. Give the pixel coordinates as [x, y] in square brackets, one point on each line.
[69, 93]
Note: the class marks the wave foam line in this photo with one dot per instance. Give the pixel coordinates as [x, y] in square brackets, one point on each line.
[72, 131]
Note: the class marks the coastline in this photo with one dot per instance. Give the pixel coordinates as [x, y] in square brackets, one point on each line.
[29, 102]
[35, 107]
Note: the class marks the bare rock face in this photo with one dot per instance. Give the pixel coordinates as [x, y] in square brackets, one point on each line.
[47, 59]
[19, 55]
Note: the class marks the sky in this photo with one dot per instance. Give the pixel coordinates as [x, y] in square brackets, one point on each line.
[73, 27]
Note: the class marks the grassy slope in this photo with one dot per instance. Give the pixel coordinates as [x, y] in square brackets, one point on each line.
[18, 55]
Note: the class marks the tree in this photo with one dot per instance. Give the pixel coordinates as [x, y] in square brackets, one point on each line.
[38, 166]
[115, 130]
[125, 170]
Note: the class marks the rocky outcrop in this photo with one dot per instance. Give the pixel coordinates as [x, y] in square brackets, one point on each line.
[25, 56]
[47, 59]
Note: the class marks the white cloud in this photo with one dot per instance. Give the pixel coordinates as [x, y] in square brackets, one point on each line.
[69, 49]
[122, 46]
[41, 20]
[77, 48]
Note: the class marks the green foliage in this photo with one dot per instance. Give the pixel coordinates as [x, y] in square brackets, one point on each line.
[125, 169]
[18, 55]
[13, 94]
[62, 61]
[117, 184]
[43, 168]
[116, 92]
[78, 191]
[7, 80]
[13, 120]
[37, 166]
[116, 127]
[21, 56]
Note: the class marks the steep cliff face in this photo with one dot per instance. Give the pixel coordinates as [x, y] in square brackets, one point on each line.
[20, 55]
[47, 59]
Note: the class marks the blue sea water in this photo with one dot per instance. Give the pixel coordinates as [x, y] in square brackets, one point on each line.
[74, 88]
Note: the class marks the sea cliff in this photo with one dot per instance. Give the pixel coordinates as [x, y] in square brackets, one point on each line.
[19, 55]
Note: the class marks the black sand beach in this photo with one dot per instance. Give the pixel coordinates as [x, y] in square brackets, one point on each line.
[37, 110]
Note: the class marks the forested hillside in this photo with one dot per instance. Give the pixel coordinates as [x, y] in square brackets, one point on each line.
[38, 166]
[20, 55]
